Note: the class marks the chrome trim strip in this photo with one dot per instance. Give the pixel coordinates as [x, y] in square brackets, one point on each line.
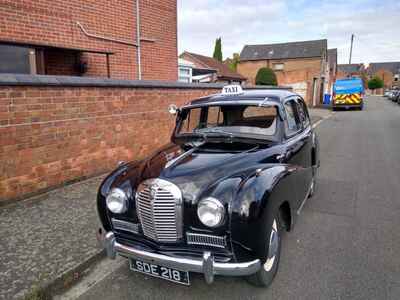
[206, 265]
[125, 226]
[205, 240]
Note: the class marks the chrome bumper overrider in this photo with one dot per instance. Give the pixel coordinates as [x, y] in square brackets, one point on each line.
[207, 265]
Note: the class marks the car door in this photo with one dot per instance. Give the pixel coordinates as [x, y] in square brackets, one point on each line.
[296, 147]
[307, 140]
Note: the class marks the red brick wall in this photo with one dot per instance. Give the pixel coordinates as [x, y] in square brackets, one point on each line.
[54, 22]
[52, 135]
[294, 71]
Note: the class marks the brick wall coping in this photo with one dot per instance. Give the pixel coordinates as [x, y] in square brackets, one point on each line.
[76, 81]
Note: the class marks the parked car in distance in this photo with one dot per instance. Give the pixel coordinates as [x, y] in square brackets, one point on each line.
[217, 198]
[394, 95]
[397, 97]
[387, 93]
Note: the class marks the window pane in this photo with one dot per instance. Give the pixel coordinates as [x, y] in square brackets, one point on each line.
[291, 124]
[14, 59]
[183, 71]
[237, 119]
[303, 113]
[278, 66]
[215, 116]
[192, 121]
[256, 111]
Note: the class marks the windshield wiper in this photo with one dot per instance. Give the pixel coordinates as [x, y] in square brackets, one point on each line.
[216, 133]
[215, 130]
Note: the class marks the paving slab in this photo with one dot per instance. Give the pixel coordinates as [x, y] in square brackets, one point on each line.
[45, 236]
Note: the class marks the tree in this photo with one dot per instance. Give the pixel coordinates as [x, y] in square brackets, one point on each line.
[375, 83]
[266, 76]
[233, 62]
[218, 50]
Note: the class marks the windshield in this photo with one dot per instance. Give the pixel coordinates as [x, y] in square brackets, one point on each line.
[237, 120]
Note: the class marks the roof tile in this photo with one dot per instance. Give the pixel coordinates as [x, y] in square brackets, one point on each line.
[303, 49]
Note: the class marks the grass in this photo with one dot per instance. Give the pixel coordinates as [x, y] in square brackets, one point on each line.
[37, 293]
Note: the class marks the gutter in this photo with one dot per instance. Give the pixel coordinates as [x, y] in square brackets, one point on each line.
[138, 52]
[139, 39]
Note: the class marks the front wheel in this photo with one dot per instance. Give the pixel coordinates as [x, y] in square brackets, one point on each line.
[265, 276]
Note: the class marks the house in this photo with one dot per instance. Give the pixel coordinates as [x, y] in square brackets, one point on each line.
[389, 72]
[301, 65]
[208, 69]
[185, 70]
[119, 39]
[350, 70]
[332, 68]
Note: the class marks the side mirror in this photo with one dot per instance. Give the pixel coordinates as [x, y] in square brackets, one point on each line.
[173, 109]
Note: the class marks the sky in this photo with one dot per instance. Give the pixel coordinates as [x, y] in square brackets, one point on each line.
[375, 24]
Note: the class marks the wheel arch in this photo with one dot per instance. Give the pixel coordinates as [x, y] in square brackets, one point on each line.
[286, 215]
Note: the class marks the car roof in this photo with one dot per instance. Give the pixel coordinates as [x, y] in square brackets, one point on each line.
[256, 95]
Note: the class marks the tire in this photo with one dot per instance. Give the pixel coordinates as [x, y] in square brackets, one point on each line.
[272, 254]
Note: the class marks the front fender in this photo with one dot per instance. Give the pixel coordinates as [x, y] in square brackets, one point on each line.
[255, 205]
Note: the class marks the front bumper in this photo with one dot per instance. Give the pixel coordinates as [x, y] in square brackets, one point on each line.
[207, 265]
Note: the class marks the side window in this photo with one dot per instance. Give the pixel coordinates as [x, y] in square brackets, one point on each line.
[215, 117]
[292, 123]
[303, 113]
[191, 121]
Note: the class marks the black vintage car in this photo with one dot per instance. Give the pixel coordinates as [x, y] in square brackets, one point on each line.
[217, 199]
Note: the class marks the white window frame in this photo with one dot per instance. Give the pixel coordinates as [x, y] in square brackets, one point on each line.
[185, 77]
[280, 68]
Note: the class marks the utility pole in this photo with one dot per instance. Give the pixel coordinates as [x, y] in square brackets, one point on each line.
[351, 47]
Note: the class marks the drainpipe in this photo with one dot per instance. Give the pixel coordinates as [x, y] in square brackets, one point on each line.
[138, 48]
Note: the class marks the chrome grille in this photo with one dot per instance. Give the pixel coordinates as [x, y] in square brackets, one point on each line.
[159, 207]
[125, 226]
[206, 240]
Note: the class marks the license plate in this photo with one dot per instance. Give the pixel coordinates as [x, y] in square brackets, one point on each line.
[170, 274]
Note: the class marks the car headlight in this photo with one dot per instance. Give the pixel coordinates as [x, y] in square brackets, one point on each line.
[211, 212]
[117, 201]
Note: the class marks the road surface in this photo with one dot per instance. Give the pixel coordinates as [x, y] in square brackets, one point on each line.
[346, 244]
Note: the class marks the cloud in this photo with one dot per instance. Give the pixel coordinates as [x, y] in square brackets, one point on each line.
[375, 25]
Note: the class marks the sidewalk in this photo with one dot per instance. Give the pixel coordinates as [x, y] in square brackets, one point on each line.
[318, 114]
[44, 237]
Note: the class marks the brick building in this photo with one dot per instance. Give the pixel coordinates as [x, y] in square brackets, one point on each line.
[350, 70]
[208, 69]
[389, 72]
[301, 65]
[332, 68]
[90, 38]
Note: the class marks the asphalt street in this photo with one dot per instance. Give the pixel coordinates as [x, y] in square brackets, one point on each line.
[346, 244]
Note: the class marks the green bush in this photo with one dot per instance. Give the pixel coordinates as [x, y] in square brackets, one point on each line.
[266, 76]
[375, 83]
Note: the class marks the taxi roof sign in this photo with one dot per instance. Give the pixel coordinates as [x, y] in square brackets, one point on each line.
[234, 89]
